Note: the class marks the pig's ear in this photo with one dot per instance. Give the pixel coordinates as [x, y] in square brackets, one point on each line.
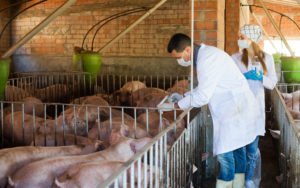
[138, 144]
[125, 130]
[114, 137]
[60, 184]
[165, 123]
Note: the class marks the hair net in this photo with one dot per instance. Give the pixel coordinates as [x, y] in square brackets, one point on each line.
[252, 31]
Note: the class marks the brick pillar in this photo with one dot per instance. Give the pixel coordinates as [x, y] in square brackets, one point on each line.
[4, 17]
[208, 16]
[232, 23]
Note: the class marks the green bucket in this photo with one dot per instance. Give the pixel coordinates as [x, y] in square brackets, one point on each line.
[291, 64]
[277, 57]
[4, 73]
[77, 62]
[91, 63]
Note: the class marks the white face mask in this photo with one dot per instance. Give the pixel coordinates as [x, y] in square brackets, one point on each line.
[243, 44]
[183, 63]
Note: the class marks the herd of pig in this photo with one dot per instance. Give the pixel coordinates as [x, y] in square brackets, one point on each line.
[105, 137]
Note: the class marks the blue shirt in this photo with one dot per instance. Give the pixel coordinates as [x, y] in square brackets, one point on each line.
[197, 48]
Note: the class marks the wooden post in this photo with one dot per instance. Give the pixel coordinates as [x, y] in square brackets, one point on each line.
[38, 28]
[277, 29]
[132, 26]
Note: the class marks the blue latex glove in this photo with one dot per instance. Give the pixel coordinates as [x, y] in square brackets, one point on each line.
[254, 75]
[175, 97]
[259, 76]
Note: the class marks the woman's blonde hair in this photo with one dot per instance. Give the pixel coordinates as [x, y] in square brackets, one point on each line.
[257, 52]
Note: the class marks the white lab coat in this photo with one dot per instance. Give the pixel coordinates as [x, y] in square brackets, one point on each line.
[232, 104]
[257, 87]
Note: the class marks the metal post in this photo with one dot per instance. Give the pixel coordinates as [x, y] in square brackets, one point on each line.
[265, 32]
[38, 28]
[192, 50]
[277, 29]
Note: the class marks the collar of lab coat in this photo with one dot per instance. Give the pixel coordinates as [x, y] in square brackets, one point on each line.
[196, 51]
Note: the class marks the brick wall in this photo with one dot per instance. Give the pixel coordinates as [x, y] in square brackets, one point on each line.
[4, 16]
[142, 50]
[232, 23]
[289, 30]
[208, 27]
[149, 38]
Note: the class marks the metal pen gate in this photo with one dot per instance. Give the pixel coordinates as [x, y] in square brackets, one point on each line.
[289, 147]
[179, 159]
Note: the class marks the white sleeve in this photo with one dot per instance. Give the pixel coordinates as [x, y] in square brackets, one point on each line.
[209, 71]
[270, 80]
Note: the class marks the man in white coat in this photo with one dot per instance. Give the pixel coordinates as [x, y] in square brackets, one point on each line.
[232, 105]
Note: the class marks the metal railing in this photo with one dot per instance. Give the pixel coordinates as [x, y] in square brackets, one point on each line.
[65, 86]
[171, 162]
[289, 146]
[168, 166]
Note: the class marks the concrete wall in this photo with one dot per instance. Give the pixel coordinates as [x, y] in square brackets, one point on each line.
[116, 65]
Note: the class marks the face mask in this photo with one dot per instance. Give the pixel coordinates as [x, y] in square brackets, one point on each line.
[243, 44]
[183, 63]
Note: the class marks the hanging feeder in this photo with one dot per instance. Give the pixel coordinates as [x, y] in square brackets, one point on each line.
[91, 62]
[4, 73]
[291, 69]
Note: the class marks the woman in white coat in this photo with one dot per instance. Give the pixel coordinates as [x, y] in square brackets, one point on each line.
[231, 102]
[259, 69]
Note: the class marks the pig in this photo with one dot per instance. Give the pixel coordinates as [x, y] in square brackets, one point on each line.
[17, 126]
[179, 90]
[54, 93]
[125, 92]
[14, 158]
[67, 119]
[116, 124]
[13, 93]
[42, 173]
[92, 102]
[155, 127]
[150, 100]
[295, 114]
[181, 83]
[28, 106]
[88, 175]
[292, 100]
[59, 137]
[91, 175]
[139, 94]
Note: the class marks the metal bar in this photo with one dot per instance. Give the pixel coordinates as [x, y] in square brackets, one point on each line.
[265, 32]
[277, 29]
[192, 51]
[132, 26]
[38, 28]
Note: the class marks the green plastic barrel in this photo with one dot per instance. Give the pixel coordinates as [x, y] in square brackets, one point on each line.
[4, 73]
[77, 62]
[291, 64]
[91, 63]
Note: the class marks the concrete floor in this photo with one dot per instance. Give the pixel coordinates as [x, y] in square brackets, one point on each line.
[269, 156]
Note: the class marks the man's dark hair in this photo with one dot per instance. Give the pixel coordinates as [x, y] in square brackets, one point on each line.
[178, 42]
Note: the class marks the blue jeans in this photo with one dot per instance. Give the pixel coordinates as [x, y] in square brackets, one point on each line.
[251, 153]
[232, 162]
